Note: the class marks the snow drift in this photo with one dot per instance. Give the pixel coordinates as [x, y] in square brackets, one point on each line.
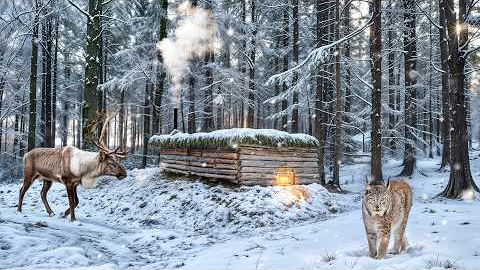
[145, 199]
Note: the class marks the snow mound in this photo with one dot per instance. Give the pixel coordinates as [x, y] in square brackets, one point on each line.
[233, 138]
[146, 199]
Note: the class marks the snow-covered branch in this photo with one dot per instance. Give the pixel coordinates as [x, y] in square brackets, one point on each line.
[316, 55]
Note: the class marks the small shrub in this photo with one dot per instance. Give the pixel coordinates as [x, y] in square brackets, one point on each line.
[437, 262]
[329, 256]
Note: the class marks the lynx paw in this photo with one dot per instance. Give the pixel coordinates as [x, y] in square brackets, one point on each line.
[379, 257]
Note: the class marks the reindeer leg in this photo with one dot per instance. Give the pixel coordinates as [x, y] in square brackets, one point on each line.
[76, 196]
[46, 186]
[67, 212]
[71, 201]
[27, 182]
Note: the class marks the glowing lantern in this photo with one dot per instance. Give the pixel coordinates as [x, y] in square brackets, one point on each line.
[285, 176]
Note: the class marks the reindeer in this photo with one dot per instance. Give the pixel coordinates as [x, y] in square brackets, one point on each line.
[71, 167]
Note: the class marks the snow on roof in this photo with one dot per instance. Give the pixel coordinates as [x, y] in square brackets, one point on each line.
[233, 138]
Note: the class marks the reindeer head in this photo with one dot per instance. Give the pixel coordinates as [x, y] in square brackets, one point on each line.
[107, 161]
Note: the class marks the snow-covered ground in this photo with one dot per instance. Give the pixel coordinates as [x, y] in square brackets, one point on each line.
[148, 221]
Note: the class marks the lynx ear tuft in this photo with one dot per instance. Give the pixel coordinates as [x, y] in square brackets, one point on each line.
[388, 183]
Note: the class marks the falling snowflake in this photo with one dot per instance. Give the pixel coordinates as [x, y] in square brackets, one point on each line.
[468, 195]
[457, 166]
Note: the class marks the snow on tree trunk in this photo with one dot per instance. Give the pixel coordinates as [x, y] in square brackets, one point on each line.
[92, 50]
[376, 133]
[445, 111]
[410, 48]
[460, 180]
[295, 123]
[32, 120]
[337, 151]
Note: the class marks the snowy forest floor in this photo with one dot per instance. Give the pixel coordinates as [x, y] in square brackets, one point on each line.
[149, 221]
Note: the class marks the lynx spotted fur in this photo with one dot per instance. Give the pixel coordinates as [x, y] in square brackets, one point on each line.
[385, 210]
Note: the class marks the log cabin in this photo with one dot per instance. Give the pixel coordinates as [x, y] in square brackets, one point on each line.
[241, 156]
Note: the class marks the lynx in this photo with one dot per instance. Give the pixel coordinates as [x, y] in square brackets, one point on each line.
[385, 210]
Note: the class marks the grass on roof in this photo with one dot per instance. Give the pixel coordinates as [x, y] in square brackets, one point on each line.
[232, 138]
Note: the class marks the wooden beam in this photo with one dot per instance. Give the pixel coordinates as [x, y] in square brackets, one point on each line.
[209, 175]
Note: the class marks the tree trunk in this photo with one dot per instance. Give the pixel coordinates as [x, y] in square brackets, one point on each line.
[65, 102]
[21, 145]
[295, 45]
[55, 85]
[43, 99]
[16, 127]
[348, 75]
[32, 120]
[251, 77]
[146, 124]
[92, 61]
[285, 68]
[277, 69]
[430, 80]
[208, 124]
[461, 181]
[445, 119]
[391, 80]
[121, 121]
[320, 130]
[157, 96]
[376, 53]
[133, 136]
[192, 127]
[410, 48]
[337, 151]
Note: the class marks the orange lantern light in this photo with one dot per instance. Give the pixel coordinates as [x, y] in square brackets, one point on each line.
[284, 176]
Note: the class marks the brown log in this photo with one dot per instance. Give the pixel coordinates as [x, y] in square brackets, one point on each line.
[199, 159]
[287, 151]
[213, 153]
[305, 181]
[272, 170]
[244, 176]
[200, 164]
[201, 174]
[200, 169]
[277, 164]
[277, 158]
[269, 182]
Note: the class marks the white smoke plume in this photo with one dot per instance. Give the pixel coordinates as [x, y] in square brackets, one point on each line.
[194, 36]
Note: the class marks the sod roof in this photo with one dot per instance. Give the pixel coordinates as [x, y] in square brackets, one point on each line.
[233, 138]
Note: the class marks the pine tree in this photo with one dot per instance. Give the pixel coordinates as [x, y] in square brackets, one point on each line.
[339, 107]
[410, 73]
[460, 179]
[32, 120]
[295, 46]
[445, 111]
[92, 50]
[376, 53]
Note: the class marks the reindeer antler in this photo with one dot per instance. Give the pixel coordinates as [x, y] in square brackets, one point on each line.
[91, 130]
[103, 133]
[118, 152]
[99, 143]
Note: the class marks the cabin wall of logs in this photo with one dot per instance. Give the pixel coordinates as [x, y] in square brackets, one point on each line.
[245, 164]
